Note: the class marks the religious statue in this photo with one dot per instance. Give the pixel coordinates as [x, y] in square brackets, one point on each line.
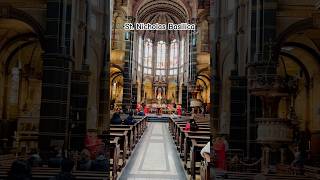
[159, 94]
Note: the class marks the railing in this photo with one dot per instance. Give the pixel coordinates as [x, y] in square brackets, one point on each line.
[273, 130]
[265, 82]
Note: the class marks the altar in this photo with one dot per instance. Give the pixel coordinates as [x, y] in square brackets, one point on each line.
[160, 97]
[162, 109]
[158, 109]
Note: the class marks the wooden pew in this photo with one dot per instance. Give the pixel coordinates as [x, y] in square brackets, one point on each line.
[114, 155]
[130, 133]
[313, 172]
[204, 135]
[180, 126]
[7, 159]
[141, 125]
[195, 155]
[123, 141]
[128, 136]
[246, 175]
[47, 173]
[181, 134]
[134, 131]
[205, 170]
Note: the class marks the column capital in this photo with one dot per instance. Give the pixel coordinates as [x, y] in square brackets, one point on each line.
[194, 20]
[130, 18]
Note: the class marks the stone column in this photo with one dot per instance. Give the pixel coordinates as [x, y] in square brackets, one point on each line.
[127, 84]
[139, 92]
[214, 28]
[54, 114]
[193, 54]
[93, 62]
[104, 98]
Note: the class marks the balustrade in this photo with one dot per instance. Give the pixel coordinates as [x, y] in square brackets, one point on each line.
[273, 130]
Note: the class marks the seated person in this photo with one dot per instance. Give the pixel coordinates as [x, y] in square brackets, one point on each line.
[101, 163]
[84, 164]
[129, 120]
[205, 152]
[55, 160]
[141, 113]
[116, 118]
[34, 159]
[66, 171]
[193, 124]
[20, 170]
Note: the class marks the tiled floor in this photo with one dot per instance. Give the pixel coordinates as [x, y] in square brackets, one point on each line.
[155, 157]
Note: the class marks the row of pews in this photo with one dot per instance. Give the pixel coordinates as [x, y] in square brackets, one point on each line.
[190, 143]
[253, 176]
[123, 139]
[307, 171]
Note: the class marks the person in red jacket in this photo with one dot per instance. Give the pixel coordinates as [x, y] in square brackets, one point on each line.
[93, 144]
[146, 111]
[179, 111]
[220, 148]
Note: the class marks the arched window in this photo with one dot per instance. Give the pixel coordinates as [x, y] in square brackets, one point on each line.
[139, 53]
[148, 56]
[173, 58]
[182, 55]
[161, 58]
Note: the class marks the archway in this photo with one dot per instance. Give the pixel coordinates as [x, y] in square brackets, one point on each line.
[298, 63]
[116, 87]
[21, 73]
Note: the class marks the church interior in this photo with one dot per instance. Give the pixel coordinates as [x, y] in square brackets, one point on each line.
[238, 97]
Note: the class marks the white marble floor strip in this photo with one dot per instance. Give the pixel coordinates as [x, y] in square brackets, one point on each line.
[155, 157]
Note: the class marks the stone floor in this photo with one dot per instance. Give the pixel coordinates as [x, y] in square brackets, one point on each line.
[155, 157]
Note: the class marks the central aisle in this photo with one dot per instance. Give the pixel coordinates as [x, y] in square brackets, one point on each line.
[155, 157]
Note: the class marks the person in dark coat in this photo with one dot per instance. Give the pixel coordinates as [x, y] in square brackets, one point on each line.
[116, 119]
[141, 113]
[66, 171]
[130, 120]
[101, 163]
[55, 161]
[84, 164]
[20, 170]
[35, 159]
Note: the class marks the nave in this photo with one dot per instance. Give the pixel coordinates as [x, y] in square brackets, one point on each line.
[155, 157]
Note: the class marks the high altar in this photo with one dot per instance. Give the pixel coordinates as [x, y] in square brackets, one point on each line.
[163, 98]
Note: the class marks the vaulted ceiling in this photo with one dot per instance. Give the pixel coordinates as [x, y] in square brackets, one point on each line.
[163, 12]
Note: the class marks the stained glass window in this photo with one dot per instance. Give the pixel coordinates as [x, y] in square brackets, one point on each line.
[173, 57]
[161, 55]
[139, 53]
[182, 55]
[148, 56]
